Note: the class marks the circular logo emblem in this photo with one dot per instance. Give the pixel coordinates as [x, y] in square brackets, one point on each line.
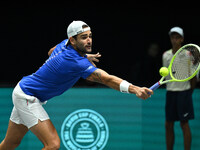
[84, 129]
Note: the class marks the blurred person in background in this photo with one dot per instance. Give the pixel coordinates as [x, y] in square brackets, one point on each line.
[142, 69]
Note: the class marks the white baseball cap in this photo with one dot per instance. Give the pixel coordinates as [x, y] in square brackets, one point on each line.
[177, 30]
[76, 27]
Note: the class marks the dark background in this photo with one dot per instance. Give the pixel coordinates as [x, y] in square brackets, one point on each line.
[122, 33]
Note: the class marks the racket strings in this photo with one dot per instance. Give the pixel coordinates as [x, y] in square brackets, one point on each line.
[186, 63]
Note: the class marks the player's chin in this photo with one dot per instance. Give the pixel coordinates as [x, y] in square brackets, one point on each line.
[88, 49]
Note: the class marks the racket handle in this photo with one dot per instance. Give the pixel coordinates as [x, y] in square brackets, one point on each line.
[155, 86]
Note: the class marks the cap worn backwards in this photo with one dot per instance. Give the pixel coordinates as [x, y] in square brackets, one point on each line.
[76, 27]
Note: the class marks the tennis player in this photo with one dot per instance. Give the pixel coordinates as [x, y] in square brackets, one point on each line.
[67, 63]
[179, 105]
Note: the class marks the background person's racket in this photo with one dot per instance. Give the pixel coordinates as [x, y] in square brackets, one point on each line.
[184, 65]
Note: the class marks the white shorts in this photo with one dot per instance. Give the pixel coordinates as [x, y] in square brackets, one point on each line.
[27, 109]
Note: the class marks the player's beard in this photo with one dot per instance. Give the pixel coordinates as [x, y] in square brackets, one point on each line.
[84, 49]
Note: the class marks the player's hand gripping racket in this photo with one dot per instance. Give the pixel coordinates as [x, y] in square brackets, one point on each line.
[184, 65]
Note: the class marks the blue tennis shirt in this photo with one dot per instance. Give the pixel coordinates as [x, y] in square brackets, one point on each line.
[60, 72]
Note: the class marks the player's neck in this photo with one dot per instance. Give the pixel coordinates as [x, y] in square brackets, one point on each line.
[175, 49]
[79, 51]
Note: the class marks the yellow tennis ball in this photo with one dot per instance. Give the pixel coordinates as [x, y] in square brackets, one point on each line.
[164, 71]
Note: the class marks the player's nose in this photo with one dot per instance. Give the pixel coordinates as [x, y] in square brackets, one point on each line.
[89, 41]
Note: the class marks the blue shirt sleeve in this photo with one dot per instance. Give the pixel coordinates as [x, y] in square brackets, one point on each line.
[87, 68]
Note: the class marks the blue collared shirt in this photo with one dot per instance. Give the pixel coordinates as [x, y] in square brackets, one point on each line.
[60, 72]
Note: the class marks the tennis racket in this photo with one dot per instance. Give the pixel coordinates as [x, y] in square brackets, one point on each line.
[184, 65]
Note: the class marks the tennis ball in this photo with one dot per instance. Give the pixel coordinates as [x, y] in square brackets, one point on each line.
[164, 71]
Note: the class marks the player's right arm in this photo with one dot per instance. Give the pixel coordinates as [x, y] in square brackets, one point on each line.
[114, 82]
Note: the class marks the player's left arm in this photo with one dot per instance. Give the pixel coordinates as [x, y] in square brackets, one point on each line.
[51, 50]
[93, 58]
[115, 82]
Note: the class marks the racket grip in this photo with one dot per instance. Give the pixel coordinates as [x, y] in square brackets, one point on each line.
[155, 86]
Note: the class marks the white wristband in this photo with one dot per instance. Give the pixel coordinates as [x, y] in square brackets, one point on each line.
[124, 85]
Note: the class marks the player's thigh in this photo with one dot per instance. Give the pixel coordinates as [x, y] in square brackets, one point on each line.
[15, 133]
[185, 105]
[46, 132]
[171, 106]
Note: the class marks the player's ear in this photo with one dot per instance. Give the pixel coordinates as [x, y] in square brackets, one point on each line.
[72, 40]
